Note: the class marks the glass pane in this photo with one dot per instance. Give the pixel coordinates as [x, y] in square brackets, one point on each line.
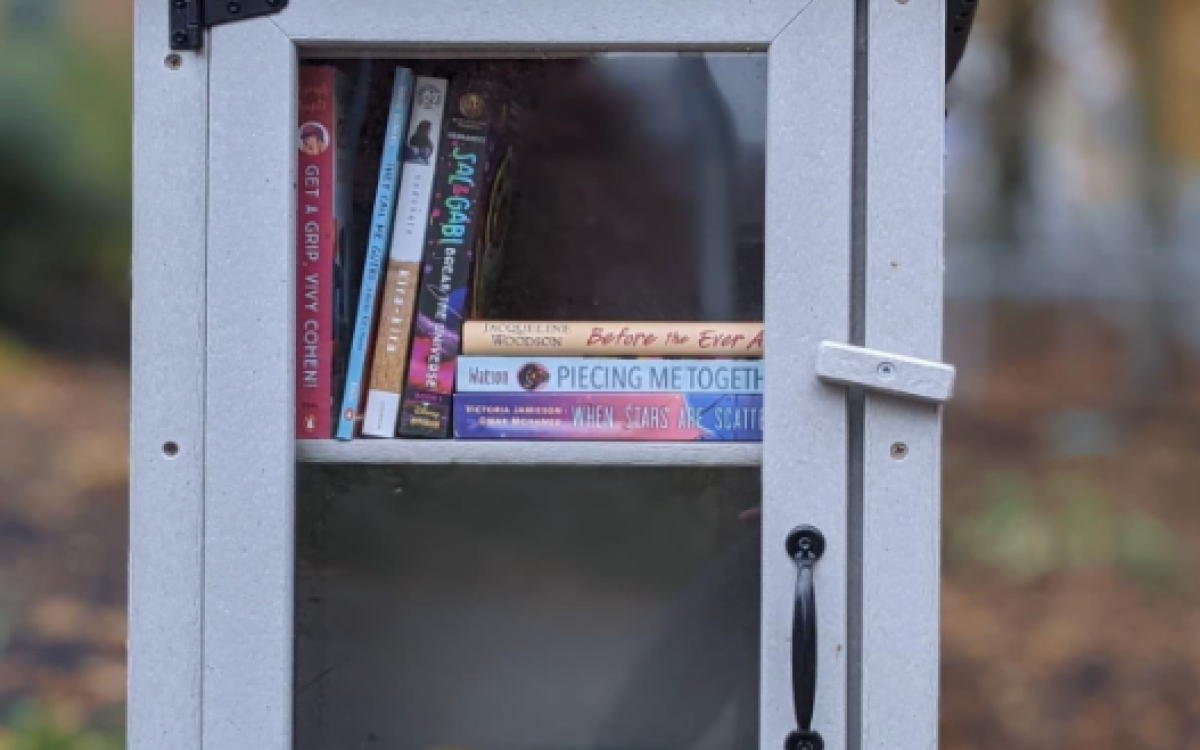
[642, 193]
[514, 608]
[503, 607]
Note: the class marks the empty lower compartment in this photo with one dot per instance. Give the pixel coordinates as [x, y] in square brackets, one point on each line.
[523, 608]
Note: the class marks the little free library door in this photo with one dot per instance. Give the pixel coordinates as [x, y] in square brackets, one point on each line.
[602, 533]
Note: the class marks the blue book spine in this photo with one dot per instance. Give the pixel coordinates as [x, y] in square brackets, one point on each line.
[377, 250]
[607, 375]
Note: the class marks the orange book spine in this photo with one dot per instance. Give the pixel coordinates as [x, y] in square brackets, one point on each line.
[612, 339]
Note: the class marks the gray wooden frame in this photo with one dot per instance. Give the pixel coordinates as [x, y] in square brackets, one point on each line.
[901, 511]
[167, 439]
[213, 527]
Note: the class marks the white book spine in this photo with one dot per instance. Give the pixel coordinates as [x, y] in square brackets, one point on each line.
[377, 248]
[394, 332]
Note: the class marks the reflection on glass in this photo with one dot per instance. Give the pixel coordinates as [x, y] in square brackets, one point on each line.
[540, 608]
[516, 608]
[640, 191]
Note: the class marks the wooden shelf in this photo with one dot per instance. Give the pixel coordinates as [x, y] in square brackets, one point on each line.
[528, 453]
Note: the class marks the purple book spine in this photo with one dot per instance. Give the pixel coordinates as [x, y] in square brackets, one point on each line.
[460, 190]
[671, 417]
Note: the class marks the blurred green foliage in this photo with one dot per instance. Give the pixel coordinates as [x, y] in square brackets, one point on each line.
[65, 160]
[1026, 526]
[30, 727]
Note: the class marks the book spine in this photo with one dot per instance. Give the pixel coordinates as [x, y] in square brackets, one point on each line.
[351, 101]
[460, 189]
[603, 375]
[377, 248]
[316, 247]
[672, 417]
[489, 247]
[412, 220]
[613, 339]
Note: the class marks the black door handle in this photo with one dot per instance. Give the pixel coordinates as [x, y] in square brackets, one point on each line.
[805, 545]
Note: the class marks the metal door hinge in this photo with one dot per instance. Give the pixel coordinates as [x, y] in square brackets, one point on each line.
[883, 372]
[189, 18]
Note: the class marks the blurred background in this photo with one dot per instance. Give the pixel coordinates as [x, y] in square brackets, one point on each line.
[1070, 607]
[1071, 516]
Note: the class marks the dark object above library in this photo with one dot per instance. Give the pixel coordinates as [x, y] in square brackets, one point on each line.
[189, 18]
[960, 16]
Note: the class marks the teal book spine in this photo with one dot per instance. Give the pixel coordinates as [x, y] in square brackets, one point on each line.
[378, 246]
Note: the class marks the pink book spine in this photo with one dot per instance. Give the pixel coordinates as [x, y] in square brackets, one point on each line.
[316, 245]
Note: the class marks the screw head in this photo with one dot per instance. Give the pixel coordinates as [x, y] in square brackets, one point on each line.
[180, 4]
[173, 62]
[234, 7]
[886, 370]
[899, 451]
[179, 37]
[805, 543]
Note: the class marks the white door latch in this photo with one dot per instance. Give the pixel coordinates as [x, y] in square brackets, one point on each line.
[883, 372]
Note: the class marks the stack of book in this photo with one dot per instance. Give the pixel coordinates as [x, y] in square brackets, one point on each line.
[382, 347]
[610, 381]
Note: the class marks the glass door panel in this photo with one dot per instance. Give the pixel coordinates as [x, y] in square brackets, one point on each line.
[508, 606]
[527, 607]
